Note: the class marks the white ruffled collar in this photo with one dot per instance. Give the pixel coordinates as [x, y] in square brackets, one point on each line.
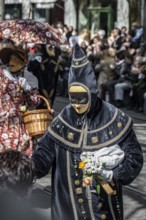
[8, 74]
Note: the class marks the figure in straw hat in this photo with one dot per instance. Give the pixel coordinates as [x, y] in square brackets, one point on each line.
[15, 95]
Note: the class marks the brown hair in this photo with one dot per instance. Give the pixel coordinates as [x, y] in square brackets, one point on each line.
[16, 172]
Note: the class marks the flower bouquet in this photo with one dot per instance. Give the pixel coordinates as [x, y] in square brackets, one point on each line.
[91, 170]
[99, 165]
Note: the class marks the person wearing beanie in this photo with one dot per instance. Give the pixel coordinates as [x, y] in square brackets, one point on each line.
[92, 149]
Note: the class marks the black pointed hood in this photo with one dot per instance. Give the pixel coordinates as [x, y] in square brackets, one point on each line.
[81, 71]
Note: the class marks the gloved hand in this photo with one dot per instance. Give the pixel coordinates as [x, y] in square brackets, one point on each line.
[103, 161]
[107, 175]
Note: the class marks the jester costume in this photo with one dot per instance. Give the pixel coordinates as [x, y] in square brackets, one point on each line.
[72, 133]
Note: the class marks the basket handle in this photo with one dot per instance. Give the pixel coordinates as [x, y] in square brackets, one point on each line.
[46, 101]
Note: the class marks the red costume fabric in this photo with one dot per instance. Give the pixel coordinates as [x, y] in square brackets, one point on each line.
[12, 96]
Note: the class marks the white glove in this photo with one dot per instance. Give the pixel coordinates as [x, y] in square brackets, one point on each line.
[107, 175]
[111, 156]
[103, 161]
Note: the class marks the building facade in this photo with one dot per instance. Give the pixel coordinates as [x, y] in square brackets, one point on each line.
[41, 10]
[92, 14]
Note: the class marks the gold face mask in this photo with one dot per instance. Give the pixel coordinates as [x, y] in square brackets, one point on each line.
[50, 50]
[15, 63]
[79, 99]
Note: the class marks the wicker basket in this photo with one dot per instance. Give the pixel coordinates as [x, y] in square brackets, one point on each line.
[37, 121]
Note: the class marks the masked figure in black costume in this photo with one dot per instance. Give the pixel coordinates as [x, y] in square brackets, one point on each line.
[87, 125]
[46, 68]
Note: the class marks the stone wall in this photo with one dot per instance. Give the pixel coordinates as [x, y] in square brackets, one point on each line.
[70, 13]
[122, 13]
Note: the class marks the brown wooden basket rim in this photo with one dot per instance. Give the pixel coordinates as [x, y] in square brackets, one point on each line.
[37, 121]
[36, 112]
[37, 133]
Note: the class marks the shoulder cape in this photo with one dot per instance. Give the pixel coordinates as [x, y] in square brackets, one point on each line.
[109, 127]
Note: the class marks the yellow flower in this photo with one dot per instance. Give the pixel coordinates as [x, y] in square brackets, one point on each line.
[82, 164]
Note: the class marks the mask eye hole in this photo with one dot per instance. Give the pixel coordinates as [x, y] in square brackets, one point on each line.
[73, 99]
[82, 99]
[51, 48]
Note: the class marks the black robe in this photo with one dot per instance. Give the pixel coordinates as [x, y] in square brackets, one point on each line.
[47, 76]
[60, 148]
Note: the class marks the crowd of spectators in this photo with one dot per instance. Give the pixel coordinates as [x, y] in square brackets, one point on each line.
[119, 62]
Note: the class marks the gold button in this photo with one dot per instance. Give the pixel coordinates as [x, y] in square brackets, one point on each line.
[83, 212]
[110, 132]
[94, 140]
[119, 124]
[118, 206]
[103, 216]
[79, 191]
[70, 136]
[77, 182]
[100, 205]
[80, 200]
[115, 192]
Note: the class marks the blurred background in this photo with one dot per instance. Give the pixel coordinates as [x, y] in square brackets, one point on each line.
[101, 14]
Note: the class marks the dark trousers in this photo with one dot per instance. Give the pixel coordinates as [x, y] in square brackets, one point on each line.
[138, 96]
[110, 87]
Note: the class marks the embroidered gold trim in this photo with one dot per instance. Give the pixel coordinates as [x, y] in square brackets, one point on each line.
[69, 126]
[112, 140]
[78, 145]
[106, 125]
[81, 65]
[70, 187]
[78, 59]
[89, 196]
[111, 207]
[96, 130]
[85, 136]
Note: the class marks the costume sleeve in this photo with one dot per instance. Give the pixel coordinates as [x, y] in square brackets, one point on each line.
[32, 101]
[132, 164]
[44, 156]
